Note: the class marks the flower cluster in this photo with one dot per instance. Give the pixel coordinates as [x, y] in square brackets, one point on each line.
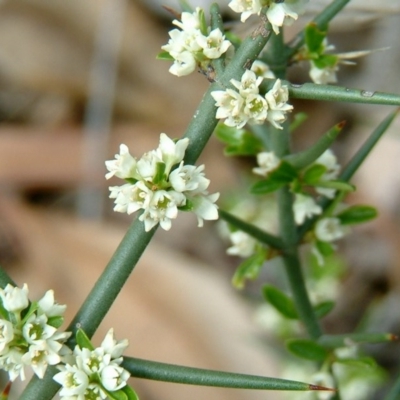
[28, 332]
[93, 372]
[160, 184]
[278, 13]
[194, 43]
[245, 104]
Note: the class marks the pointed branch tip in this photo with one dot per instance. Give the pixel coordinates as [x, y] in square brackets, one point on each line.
[317, 387]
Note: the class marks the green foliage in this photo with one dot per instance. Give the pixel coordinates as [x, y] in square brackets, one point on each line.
[357, 215]
[83, 340]
[239, 142]
[283, 303]
[250, 268]
[307, 349]
[281, 176]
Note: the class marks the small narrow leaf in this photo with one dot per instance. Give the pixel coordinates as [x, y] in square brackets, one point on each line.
[55, 321]
[325, 248]
[130, 393]
[313, 174]
[164, 55]
[334, 341]
[83, 341]
[307, 349]
[357, 215]
[337, 185]
[323, 308]
[280, 176]
[283, 303]
[314, 38]
[362, 362]
[249, 269]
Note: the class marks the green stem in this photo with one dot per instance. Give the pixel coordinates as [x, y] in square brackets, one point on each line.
[394, 393]
[252, 230]
[312, 91]
[334, 341]
[195, 376]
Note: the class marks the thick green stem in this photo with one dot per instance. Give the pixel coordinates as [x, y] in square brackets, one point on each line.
[195, 376]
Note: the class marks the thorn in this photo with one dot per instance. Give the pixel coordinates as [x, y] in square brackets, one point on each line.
[393, 338]
[6, 391]
[174, 13]
[317, 387]
[341, 124]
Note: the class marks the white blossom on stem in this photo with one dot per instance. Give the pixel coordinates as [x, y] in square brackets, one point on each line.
[267, 161]
[262, 70]
[305, 207]
[329, 229]
[163, 185]
[277, 99]
[243, 245]
[31, 341]
[329, 161]
[246, 8]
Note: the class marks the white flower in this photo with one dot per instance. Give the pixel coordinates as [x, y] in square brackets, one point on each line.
[189, 178]
[49, 307]
[162, 209]
[171, 153]
[123, 165]
[214, 45]
[6, 335]
[14, 299]
[114, 377]
[277, 99]
[323, 76]
[189, 21]
[267, 161]
[73, 380]
[284, 12]
[114, 347]
[243, 244]
[35, 329]
[245, 7]
[11, 362]
[329, 229]
[248, 84]
[91, 361]
[184, 64]
[204, 207]
[329, 161]
[41, 355]
[262, 70]
[304, 207]
[256, 108]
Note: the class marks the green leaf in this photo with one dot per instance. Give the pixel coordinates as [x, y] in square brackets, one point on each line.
[282, 302]
[307, 349]
[240, 142]
[117, 395]
[314, 38]
[249, 269]
[55, 321]
[357, 215]
[337, 185]
[159, 176]
[323, 308]
[313, 174]
[82, 340]
[164, 55]
[203, 23]
[326, 61]
[280, 176]
[297, 121]
[362, 362]
[130, 393]
[266, 186]
[325, 248]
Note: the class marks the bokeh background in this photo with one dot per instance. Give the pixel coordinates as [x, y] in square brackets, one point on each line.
[77, 78]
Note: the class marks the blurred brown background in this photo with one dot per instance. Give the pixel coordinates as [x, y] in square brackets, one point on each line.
[77, 78]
